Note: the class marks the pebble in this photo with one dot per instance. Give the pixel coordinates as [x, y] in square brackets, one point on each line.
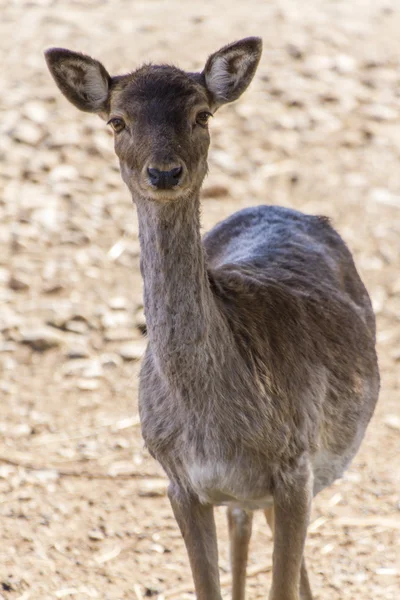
[215, 191]
[77, 351]
[48, 218]
[380, 112]
[41, 338]
[118, 303]
[133, 351]
[8, 346]
[87, 385]
[384, 196]
[223, 160]
[345, 64]
[18, 283]
[140, 321]
[118, 335]
[110, 360]
[89, 369]
[62, 173]
[28, 133]
[153, 488]
[392, 421]
[76, 326]
[95, 535]
[36, 111]
[116, 318]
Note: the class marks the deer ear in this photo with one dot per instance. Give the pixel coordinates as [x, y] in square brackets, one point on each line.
[83, 80]
[229, 71]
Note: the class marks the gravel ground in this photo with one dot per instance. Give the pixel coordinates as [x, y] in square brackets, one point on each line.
[83, 507]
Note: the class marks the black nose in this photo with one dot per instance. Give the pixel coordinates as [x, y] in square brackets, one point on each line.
[164, 180]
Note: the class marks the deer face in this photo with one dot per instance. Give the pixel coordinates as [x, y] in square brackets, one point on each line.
[160, 119]
[159, 114]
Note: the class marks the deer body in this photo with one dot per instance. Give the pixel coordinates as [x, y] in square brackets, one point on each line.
[251, 411]
[260, 375]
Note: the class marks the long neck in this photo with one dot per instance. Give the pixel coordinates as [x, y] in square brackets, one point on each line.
[180, 310]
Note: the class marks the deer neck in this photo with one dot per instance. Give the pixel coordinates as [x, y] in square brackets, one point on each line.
[180, 310]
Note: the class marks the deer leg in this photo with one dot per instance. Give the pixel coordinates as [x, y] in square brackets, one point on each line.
[305, 589]
[197, 525]
[239, 524]
[291, 516]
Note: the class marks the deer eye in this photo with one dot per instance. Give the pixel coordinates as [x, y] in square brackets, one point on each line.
[117, 124]
[202, 118]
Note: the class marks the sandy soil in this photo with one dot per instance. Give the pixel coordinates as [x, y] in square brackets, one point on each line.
[83, 507]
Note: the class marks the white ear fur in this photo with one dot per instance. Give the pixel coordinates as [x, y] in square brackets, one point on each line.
[93, 85]
[83, 80]
[219, 80]
[229, 71]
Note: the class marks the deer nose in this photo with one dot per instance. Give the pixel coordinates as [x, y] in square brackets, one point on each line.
[164, 180]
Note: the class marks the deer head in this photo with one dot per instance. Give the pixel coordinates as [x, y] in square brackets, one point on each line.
[159, 114]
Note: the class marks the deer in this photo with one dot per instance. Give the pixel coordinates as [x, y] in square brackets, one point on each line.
[260, 375]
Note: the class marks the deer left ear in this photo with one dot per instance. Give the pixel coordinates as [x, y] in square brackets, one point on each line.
[229, 71]
[82, 79]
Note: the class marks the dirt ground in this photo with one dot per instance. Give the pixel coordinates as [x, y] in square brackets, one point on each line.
[83, 507]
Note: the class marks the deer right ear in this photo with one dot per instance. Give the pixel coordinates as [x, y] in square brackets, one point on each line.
[83, 80]
[229, 71]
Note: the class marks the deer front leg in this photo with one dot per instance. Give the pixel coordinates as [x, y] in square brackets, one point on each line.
[197, 525]
[292, 505]
[239, 523]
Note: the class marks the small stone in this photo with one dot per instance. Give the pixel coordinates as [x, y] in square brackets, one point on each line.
[110, 360]
[157, 548]
[316, 63]
[215, 191]
[76, 326]
[224, 160]
[118, 335]
[381, 112]
[36, 112]
[87, 385]
[77, 351]
[53, 287]
[95, 535]
[89, 369]
[378, 298]
[384, 196]
[345, 64]
[48, 218]
[116, 318]
[118, 303]
[392, 421]
[140, 320]
[8, 347]
[153, 488]
[133, 351]
[21, 430]
[63, 173]
[45, 475]
[294, 51]
[41, 338]
[27, 133]
[8, 320]
[18, 284]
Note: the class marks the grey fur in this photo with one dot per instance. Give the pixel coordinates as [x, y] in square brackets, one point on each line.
[260, 375]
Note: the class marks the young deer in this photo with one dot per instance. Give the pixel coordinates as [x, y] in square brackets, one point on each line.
[260, 375]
